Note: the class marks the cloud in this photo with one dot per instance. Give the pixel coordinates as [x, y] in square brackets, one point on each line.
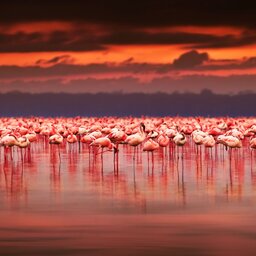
[235, 64]
[65, 67]
[63, 59]
[144, 13]
[251, 62]
[226, 41]
[133, 37]
[86, 39]
[190, 59]
[55, 41]
[187, 40]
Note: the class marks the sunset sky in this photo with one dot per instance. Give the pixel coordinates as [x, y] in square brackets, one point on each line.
[127, 46]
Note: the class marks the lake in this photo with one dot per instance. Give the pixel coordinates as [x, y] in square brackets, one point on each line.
[191, 202]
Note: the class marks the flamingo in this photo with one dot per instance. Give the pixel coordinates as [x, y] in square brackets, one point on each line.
[9, 140]
[136, 139]
[163, 140]
[253, 143]
[150, 146]
[209, 141]
[96, 134]
[231, 132]
[171, 132]
[87, 139]
[104, 142]
[56, 139]
[153, 134]
[80, 132]
[31, 136]
[198, 138]
[71, 138]
[180, 140]
[22, 142]
[117, 136]
[229, 141]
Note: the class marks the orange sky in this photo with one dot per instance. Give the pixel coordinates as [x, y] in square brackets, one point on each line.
[148, 53]
[117, 46]
[155, 53]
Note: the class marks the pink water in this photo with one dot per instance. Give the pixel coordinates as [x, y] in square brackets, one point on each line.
[199, 204]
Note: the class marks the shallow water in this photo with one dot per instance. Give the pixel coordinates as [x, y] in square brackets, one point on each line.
[195, 202]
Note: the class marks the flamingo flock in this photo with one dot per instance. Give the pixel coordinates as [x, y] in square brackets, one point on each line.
[146, 134]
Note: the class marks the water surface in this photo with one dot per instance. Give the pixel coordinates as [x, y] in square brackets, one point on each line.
[186, 203]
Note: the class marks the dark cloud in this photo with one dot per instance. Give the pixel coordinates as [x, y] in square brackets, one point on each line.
[127, 13]
[83, 40]
[188, 39]
[63, 59]
[251, 62]
[244, 64]
[55, 41]
[61, 69]
[131, 37]
[226, 41]
[190, 60]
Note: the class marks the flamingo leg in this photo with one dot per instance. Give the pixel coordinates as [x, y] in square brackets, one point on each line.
[59, 152]
[134, 152]
[21, 154]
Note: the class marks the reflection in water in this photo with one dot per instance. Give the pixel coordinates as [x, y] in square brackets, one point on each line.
[170, 202]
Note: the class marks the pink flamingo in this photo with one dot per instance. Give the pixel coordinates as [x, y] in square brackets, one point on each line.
[117, 136]
[229, 141]
[71, 138]
[32, 137]
[209, 142]
[8, 141]
[137, 138]
[163, 140]
[180, 140]
[22, 142]
[87, 139]
[56, 139]
[104, 142]
[150, 146]
[253, 143]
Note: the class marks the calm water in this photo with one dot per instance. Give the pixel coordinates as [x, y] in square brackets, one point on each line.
[201, 204]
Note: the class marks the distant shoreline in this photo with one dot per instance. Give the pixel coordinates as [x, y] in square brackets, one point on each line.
[205, 103]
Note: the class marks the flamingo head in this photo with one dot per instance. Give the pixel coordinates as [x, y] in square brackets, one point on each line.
[142, 125]
[113, 146]
[153, 134]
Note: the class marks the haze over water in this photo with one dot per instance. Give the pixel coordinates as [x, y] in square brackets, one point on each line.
[201, 204]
